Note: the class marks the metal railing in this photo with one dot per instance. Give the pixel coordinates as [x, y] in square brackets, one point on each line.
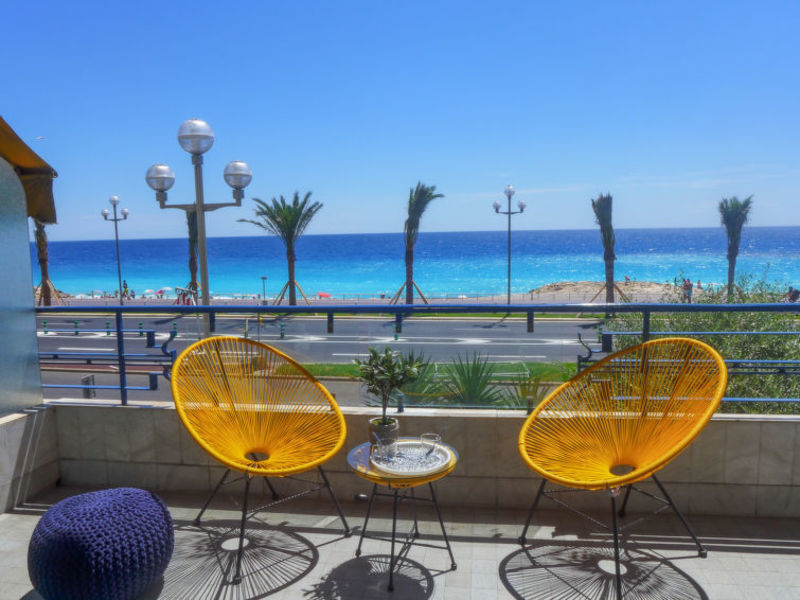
[401, 312]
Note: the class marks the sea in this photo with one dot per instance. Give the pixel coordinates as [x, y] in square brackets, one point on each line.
[447, 264]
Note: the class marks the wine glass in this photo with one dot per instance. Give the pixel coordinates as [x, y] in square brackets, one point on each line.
[429, 442]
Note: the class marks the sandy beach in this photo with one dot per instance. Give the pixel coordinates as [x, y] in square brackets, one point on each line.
[563, 292]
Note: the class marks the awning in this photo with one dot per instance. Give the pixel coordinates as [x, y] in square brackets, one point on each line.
[35, 174]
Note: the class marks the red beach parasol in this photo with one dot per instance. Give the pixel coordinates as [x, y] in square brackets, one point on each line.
[323, 295]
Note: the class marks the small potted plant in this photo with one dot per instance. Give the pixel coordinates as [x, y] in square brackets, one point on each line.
[383, 373]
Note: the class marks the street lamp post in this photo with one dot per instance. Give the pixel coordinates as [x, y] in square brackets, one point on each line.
[196, 138]
[509, 192]
[263, 289]
[114, 201]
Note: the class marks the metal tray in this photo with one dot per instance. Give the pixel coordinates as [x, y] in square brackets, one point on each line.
[412, 460]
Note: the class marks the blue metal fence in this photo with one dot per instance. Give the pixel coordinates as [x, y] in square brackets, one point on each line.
[401, 312]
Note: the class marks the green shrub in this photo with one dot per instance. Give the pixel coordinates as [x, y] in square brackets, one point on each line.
[762, 347]
[470, 381]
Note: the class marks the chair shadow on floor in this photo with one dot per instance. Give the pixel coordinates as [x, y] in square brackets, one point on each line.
[552, 569]
[204, 561]
[368, 577]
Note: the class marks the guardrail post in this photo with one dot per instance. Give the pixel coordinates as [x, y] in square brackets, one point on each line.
[141, 329]
[283, 329]
[123, 380]
[645, 325]
[606, 339]
[175, 328]
[44, 325]
[108, 327]
[530, 321]
[330, 322]
[246, 327]
[398, 324]
[76, 327]
[88, 380]
[212, 321]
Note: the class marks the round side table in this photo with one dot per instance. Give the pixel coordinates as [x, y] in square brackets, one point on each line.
[358, 459]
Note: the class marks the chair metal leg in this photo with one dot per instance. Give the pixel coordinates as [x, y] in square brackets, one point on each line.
[211, 497]
[616, 545]
[453, 564]
[238, 576]
[625, 501]
[394, 533]
[347, 531]
[701, 551]
[414, 505]
[275, 495]
[366, 519]
[530, 514]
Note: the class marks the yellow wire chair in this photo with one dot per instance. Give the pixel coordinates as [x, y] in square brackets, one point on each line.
[257, 411]
[618, 422]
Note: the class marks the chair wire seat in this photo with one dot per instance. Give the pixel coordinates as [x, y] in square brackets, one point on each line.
[258, 412]
[618, 422]
[254, 409]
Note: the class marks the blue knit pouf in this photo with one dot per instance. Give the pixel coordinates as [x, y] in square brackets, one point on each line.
[106, 545]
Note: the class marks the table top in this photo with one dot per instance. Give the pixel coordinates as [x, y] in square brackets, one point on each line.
[358, 459]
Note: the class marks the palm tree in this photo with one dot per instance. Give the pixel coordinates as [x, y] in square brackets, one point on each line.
[45, 287]
[602, 208]
[418, 200]
[288, 221]
[191, 224]
[734, 213]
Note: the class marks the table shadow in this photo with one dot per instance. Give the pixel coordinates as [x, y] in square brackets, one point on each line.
[368, 577]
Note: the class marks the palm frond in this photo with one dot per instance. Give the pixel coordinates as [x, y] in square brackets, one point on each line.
[734, 213]
[418, 200]
[286, 220]
[603, 212]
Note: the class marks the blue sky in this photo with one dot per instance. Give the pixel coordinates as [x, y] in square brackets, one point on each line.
[667, 106]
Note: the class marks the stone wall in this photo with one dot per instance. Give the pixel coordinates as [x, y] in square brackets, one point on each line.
[740, 464]
[29, 459]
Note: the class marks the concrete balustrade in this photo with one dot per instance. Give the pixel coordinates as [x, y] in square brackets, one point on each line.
[740, 464]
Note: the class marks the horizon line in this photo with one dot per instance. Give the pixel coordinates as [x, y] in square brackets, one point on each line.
[400, 233]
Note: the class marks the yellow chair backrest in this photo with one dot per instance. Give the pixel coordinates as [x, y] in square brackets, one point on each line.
[254, 408]
[625, 417]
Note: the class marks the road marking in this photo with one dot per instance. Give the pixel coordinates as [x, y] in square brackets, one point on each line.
[423, 341]
[517, 356]
[85, 348]
[514, 356]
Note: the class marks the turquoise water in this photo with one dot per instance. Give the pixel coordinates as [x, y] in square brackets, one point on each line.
[468, 263]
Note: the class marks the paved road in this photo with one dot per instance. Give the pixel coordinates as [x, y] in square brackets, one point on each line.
[305, 338]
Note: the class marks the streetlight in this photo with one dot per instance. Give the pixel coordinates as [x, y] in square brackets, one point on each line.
[196, 137]
[114, 201]
[509, 191]
[263, 289]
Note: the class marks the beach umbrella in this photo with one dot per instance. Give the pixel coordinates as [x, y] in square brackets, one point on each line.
[323, 295]
[149, 292]
[166, 287]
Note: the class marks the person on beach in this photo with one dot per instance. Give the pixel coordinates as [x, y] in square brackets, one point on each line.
[792, 295]
[699, 285]
[124, 289]
[687, 291]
